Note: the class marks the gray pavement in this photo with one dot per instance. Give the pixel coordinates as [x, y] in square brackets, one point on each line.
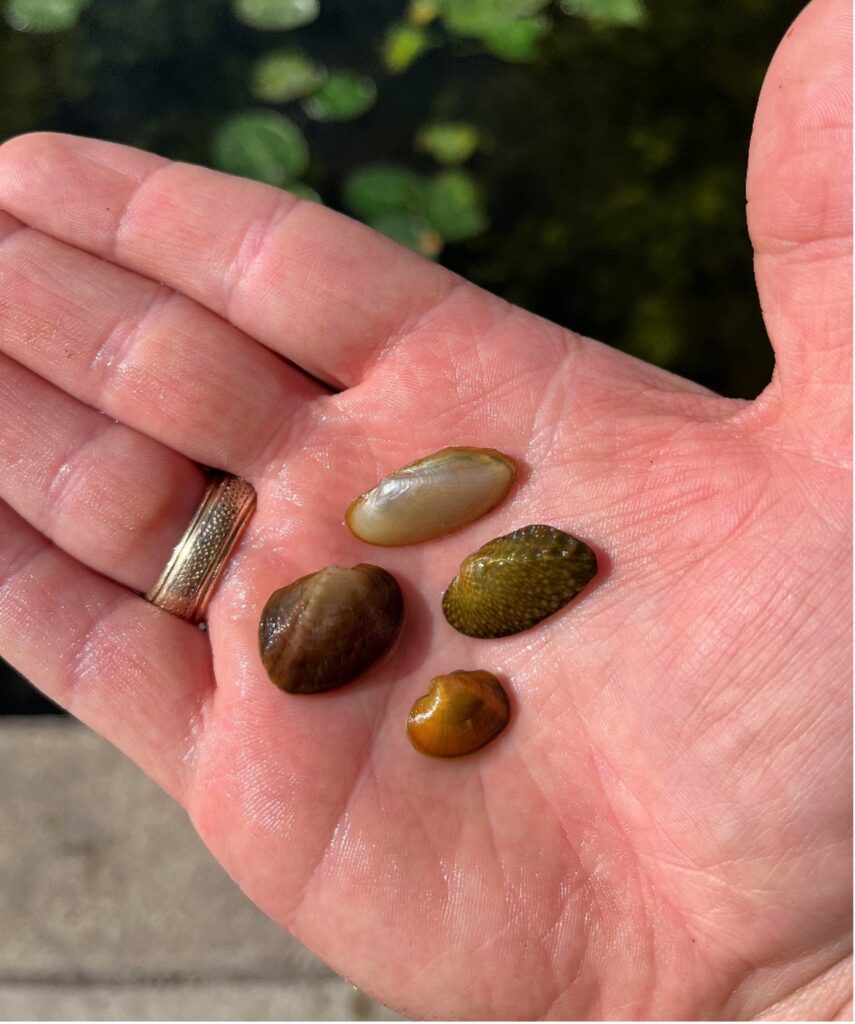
[111, 908]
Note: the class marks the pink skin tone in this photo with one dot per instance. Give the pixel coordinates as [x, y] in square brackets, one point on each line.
[663, 830]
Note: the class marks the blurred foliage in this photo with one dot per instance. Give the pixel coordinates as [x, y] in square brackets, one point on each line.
[376, 192]
[275, 15]
[604, 141]
[454, 206]
[283, 75]
[342, 97]
[402, 45]
[263, 145]
[304, 191]
[448, 143]
[606, 12]
[516, 40]
[415, 210]
[43, 15]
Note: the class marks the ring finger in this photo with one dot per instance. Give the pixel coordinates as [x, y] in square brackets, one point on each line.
[111, 497]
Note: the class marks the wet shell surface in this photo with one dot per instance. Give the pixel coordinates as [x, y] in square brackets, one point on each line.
[327, 628]
[433, 496]
[461, 713]
[515, 581]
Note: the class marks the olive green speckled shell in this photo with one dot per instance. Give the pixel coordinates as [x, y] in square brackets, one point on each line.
[516, 581]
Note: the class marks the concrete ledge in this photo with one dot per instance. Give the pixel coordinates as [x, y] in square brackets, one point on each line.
[111, 907]
[323, 999]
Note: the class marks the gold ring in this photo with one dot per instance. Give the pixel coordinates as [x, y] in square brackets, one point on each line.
[187, 583]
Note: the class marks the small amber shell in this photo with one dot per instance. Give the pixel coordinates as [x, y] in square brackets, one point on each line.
[461, 712]
[431, 497]
[515, 581]
[327, 628]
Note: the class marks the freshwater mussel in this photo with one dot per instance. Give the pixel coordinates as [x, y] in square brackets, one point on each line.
[327, 628]
[460, 713]
[516, 581]
[432, 496]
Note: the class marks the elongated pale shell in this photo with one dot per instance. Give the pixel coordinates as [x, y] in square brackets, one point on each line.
[462, 712]
[327, 628]
[433, 496]
[515, 581]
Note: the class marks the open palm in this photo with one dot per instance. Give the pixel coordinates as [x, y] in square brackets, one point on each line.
[662, 831]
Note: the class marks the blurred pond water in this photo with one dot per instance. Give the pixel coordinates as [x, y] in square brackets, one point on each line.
[583, 158]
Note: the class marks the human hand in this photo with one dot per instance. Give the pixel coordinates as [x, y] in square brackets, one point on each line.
[663, 830]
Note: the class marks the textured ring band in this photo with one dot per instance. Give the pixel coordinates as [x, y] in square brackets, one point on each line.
[187, 583]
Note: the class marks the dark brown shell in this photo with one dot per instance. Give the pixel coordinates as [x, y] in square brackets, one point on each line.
[515, 581]
[327, 628]
[461, 713]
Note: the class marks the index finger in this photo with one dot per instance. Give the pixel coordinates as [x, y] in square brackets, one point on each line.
[313, 285]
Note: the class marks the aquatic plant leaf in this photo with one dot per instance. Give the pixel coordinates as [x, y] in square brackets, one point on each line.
[342, 97]
[607, 12]
[455, 208]
[284, 75]
[274, 15]
[263, 145]
[304, 191]
[422, 12]
[484, 18]
[43, 15]
[412, 230]
[517, 40]
[402, 45]
[384, 190]
[448, 142]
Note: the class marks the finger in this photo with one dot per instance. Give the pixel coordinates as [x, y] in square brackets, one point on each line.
[109, 496]
[800, 214]
[148, 356]
[313, 285]
[137, 675]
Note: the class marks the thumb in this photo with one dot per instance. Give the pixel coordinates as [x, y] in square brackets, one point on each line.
[800, 220]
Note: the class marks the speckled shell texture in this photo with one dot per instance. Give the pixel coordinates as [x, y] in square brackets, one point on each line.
[462, 712]
[516, 581]
[325, 629]
[433, 496]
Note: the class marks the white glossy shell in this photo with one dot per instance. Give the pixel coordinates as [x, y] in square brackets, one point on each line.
[433, 496]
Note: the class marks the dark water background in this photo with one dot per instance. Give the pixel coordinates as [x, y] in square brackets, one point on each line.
[611, 164]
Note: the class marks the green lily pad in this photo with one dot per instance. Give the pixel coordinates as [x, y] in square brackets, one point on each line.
[274, 15]
[285, 75]
[470, 17]
[522, 8]
[454, 206]
[485, 18]
[383, 191]
[517, 40]
[403, 44]
[422, 12]
[411, 230]
[263, 145]
[304, 191]
[342, 97]
[448, 142]
[607, 12]
[43, 15]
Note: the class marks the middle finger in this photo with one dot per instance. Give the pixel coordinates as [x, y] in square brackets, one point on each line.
[145, 354]
[111, 497]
